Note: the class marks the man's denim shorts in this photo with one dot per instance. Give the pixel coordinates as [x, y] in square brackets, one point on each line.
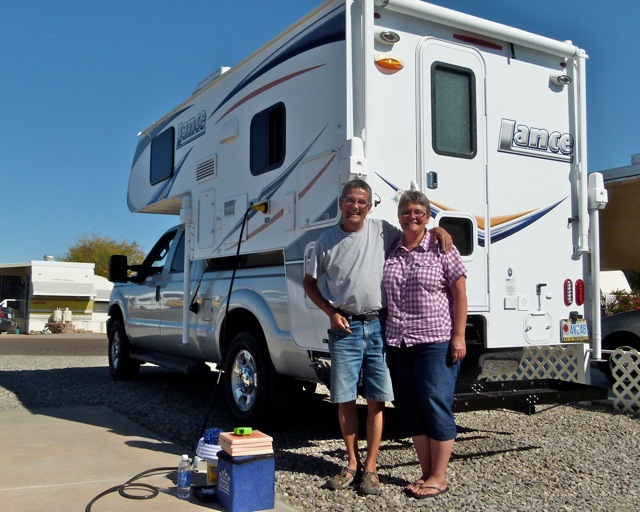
[363, 348]
[424, 380]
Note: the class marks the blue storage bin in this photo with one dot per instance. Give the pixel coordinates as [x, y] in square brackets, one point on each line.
[246, 483]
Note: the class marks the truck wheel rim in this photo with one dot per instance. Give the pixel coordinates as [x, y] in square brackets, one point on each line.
[244, 380]
[115, 351]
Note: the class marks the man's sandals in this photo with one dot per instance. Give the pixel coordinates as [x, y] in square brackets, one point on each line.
[344, 479]
[370, 483]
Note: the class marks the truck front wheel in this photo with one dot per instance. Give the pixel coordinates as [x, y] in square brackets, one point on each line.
[121, 366]
[248, 378]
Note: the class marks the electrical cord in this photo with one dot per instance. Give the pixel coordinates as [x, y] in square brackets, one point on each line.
[256, 207]
[152, 490]
[210, 406]
[132, 484]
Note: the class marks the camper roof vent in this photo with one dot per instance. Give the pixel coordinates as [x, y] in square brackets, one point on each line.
[211, 78]
[206, 169]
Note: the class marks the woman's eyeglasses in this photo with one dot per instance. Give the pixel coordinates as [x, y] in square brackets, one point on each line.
[418, 214]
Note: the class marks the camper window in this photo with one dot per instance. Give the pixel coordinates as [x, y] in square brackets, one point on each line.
[268, 139]
[162, 156]
[461, 230]
[453, 105]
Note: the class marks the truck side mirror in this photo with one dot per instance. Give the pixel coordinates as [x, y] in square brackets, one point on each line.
[118, 267]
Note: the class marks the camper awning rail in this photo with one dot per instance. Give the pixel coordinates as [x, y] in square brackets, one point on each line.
[479, 26]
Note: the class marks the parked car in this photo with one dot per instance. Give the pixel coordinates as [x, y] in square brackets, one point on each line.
[7, 320]
[619, 331]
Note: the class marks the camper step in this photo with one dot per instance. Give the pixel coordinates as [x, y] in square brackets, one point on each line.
[175, 363]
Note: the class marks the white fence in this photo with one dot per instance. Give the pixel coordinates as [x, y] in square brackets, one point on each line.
[625, 367]
[567, 362]
[562, 362]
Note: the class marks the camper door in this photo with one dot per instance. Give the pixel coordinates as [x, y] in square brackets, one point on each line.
[453, 153]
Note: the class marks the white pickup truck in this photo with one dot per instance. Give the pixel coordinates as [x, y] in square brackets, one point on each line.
[248, 337]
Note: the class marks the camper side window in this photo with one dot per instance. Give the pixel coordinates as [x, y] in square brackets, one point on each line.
[268, 136]
[453, 107]
[162, 156]
[462, 232]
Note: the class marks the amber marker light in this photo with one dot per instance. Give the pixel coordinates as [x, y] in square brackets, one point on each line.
[388, 62]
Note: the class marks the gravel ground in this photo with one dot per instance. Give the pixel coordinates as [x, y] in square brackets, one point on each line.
[565, 458]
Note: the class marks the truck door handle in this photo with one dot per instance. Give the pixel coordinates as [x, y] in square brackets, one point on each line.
[157, 294]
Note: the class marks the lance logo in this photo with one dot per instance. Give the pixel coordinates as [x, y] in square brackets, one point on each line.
[519, 139]
[192, 129]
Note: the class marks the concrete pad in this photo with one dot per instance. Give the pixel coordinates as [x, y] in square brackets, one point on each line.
[59, 459]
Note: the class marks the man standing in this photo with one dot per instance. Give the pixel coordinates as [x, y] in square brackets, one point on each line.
[344, 280]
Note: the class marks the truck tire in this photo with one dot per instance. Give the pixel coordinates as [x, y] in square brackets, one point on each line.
[121, 366]
[248, 378]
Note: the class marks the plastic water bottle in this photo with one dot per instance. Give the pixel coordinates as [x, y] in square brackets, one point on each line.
[184, 478]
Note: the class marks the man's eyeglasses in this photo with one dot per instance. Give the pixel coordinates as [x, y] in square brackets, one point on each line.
[350, 201]
[418, 214]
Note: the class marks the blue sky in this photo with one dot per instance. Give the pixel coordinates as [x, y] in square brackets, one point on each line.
[80, 78]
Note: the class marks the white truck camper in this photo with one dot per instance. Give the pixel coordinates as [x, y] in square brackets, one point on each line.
[488, 120]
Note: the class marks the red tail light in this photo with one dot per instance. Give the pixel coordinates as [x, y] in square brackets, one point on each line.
[568, 292]
[579, 292]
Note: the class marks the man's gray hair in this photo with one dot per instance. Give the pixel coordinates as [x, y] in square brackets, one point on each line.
[357, 183]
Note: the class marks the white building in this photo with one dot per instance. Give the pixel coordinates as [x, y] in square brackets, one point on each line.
[42, 291]
[620, 220]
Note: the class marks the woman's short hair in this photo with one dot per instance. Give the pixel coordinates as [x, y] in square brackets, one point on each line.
[414, 197]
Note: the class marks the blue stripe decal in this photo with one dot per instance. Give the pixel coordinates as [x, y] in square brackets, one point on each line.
[267, 192]
[327, 30]
[510, 228]
[142, 144]
[163, 191]
[499, 232]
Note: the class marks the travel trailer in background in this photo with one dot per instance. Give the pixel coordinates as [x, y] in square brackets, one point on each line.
[46, 294]
[487, 120]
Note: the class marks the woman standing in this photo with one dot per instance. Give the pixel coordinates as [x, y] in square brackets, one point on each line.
[425, 332]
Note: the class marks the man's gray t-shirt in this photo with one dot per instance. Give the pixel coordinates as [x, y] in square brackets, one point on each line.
[348, 266]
